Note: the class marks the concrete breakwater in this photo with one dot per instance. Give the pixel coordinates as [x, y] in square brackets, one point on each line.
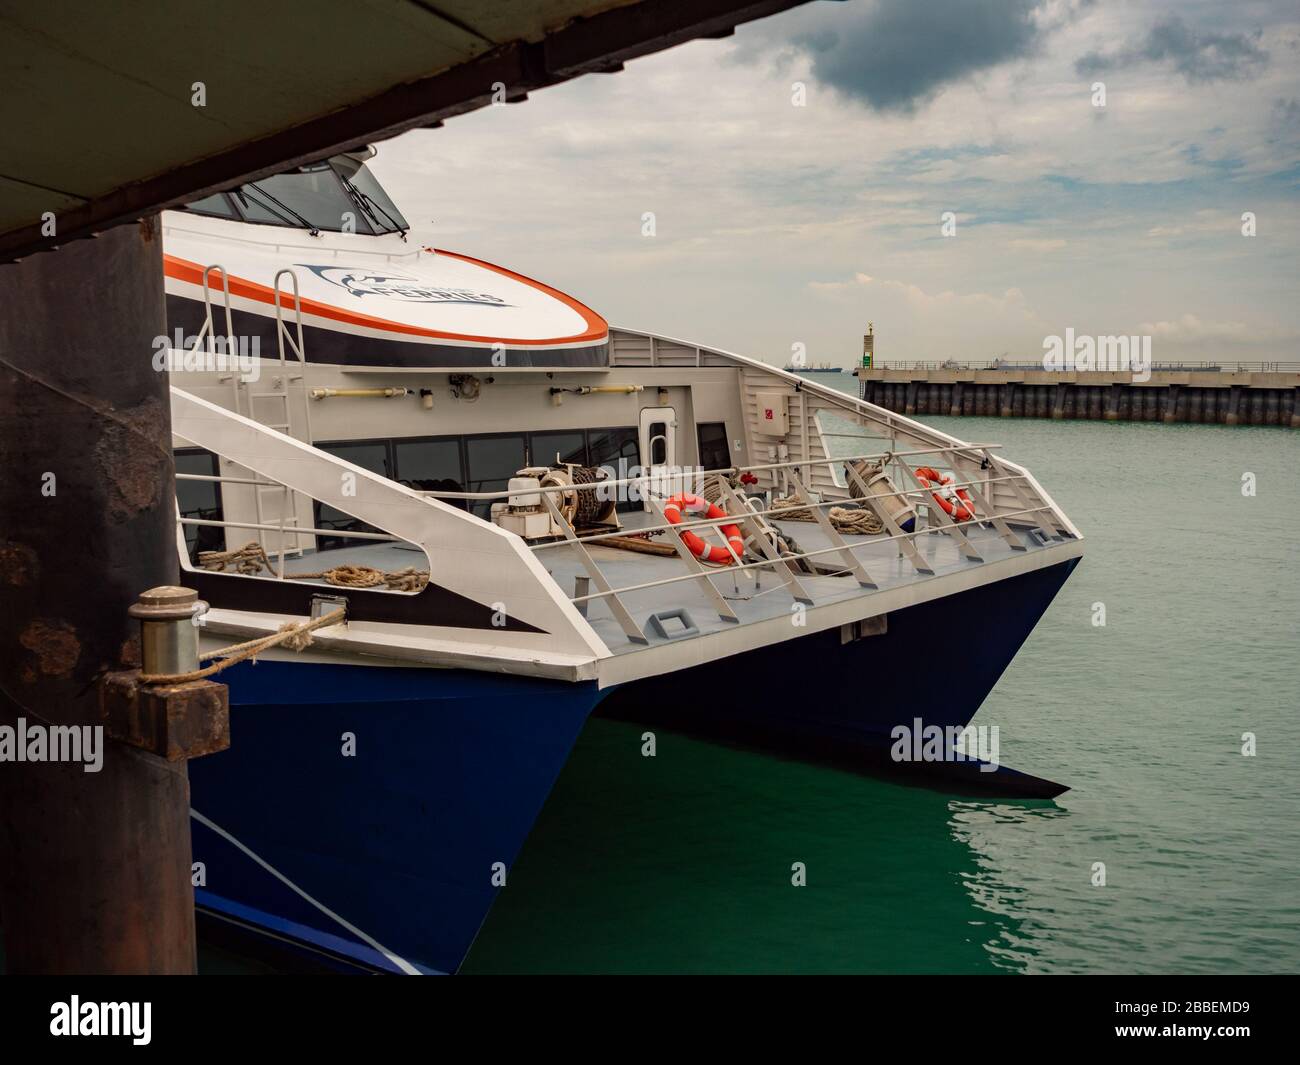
[1197, 396]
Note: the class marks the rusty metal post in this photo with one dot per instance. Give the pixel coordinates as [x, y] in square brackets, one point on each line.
[94, 866]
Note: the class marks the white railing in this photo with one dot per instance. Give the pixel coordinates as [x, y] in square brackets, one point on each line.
[808, 399]
[747, 511]
[1003, 494]
[744, 511]
[470, 558]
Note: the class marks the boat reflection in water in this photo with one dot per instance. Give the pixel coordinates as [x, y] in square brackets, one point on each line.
[682, 862]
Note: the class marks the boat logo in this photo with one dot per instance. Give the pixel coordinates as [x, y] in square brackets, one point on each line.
[361, 283]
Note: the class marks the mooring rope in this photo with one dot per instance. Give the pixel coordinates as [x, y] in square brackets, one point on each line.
[295, 635]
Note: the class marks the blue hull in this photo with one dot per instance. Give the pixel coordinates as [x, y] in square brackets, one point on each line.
[937, 661]
[385, 860]
[450, 771]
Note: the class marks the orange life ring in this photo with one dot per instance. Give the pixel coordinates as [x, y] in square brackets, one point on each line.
[957, 504]
[704, 552]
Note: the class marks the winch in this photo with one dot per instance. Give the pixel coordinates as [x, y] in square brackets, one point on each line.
[525, 512]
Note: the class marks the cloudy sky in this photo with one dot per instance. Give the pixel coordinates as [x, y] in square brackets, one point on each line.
[778, 224]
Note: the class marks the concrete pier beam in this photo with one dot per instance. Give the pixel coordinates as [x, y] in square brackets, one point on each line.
[1169, 409]
[1058, 401]
[1233, 414]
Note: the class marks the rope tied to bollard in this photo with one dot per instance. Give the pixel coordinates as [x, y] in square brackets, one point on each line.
[295, 635]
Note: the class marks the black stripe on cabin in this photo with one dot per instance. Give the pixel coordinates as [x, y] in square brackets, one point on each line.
[434, 605]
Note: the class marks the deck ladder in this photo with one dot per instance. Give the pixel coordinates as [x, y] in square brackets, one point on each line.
[269, 499]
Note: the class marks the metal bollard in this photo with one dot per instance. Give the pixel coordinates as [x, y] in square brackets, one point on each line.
[169, 640]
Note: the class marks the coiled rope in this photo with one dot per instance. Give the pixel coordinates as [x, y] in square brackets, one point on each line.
[251, 559]
[856, 522]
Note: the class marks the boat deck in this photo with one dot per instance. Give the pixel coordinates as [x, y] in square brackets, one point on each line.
[760, 594]
[754, 595]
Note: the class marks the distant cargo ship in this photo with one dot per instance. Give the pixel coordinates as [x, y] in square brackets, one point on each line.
[824, 368]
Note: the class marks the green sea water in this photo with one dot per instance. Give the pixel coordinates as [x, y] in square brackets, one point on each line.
[682, 862]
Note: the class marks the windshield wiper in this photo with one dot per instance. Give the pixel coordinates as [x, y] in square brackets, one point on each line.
[369, 206]
[285, 212]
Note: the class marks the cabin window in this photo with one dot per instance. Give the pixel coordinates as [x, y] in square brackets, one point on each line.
[369, 455]
[714, 452]
[382, 211]
[217, 205]
[620, 450]
[492, 461]
[658, 437]
[200, 499]
[335, 195]
[607, 446]
[434, 465]
[477, 464]
[549, 448]
[314, 194]
[253, 209]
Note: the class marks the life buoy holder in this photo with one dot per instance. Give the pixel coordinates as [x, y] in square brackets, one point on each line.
[693, 504]
[956, 503]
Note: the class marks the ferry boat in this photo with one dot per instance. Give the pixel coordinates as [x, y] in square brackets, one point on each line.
[527, 516]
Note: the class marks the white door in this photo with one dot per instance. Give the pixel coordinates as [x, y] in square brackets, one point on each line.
[659, 450]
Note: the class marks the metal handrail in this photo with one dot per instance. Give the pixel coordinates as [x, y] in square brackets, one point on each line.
[793, 557]
[282, 331]
[227, 480]
[207, 303]
[343, 534]
[726, 470]
[839, 548]
[731, 519]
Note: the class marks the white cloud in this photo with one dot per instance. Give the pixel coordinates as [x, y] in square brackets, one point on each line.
[768, 215]
[1038, 244]
[1191, 329]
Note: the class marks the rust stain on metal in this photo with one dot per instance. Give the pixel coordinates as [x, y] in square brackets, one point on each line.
[19, 564]
[131, 459]
[55, 645]
[178, 721]
[128, 655]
